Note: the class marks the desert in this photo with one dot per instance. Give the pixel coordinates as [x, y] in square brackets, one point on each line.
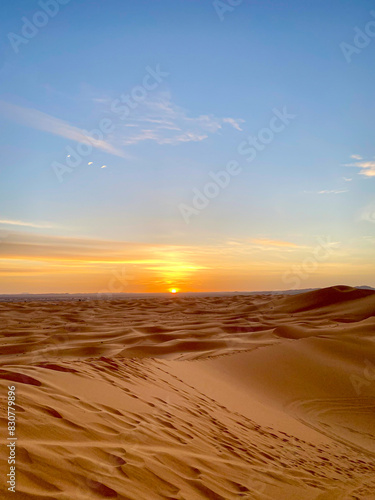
[245, 396]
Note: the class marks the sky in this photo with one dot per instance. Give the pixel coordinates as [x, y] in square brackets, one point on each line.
[189, 144]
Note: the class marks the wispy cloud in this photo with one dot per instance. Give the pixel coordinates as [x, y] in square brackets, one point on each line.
[333, 191]
[40, 225]
[367, 167]
[67, 255]
[235, 123]
[36, 119]
[79, 264]
[160, 120]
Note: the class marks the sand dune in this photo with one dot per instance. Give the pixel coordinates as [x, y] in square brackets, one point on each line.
[254, 397]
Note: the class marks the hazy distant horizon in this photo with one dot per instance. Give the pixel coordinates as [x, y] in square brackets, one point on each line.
[131, 295]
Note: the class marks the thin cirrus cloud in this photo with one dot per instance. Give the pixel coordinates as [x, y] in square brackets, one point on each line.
[158, 120]
[40, 225]
[88, 265]
[66, 255]
[333, 191]
[36, 119]
[59, 248]
[161, 121]
[367, 167]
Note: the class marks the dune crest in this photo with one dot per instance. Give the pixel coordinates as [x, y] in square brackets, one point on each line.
[324, 298]
[254, 397]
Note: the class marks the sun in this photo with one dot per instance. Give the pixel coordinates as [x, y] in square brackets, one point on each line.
[173, 290]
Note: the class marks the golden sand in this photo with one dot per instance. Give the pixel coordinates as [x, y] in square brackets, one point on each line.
[241, 397]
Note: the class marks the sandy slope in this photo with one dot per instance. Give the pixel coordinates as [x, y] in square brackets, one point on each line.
[219, 397]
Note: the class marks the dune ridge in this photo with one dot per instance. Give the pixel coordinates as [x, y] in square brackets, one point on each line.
[261, 396]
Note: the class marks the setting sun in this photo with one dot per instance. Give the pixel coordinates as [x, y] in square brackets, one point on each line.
[173, 290]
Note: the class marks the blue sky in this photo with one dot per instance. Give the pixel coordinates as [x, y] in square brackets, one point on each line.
[222, 79]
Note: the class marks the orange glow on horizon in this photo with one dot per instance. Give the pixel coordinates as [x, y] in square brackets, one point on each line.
[34, 263]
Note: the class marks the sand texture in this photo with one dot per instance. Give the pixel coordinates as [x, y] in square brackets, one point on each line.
[248, 397]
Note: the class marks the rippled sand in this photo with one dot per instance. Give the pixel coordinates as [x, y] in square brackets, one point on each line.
[253, 397]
